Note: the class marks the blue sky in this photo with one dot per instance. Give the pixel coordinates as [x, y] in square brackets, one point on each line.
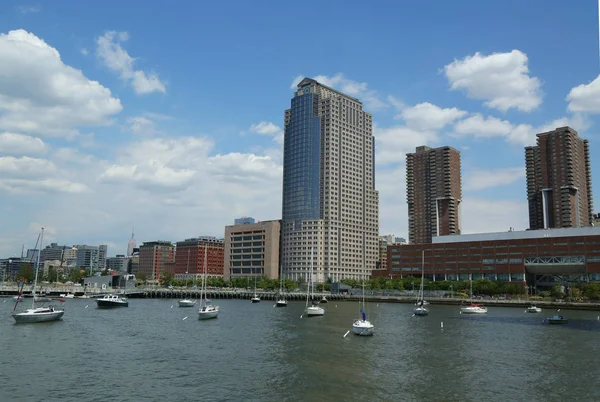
[170, 116]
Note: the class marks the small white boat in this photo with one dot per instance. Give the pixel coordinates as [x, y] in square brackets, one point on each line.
[67, 295]
[533, 309]
[255, 299]
[362, 326]
[557, 319]
[314, 311]
[420, 310]
[206, 310]
[39, 314]
[84, 296]
[324, 300]
[473, 308]
[281, 302]
[187, 303]
[109, 301]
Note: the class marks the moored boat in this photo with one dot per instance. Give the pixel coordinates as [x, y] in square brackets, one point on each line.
[557, 319]
[110, 301]
[187, 303]
[533, 309]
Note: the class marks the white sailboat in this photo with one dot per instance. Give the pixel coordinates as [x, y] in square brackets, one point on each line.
[473, 308]
[187, 302]
[207, 310]
[255, 298]
[312, 310]
[420, 309]
[281, 300]
[39, 314]
[362, 326]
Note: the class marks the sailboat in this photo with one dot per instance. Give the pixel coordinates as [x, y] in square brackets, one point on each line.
[313, 309]
[361, 326]
[420, 309]
[255, 298]
[187, 302]
[207, 310]
[473, 308]
[39, 314]
[281, 300]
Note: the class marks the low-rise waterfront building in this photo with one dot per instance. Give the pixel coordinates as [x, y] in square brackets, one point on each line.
[189, 257]
[252, 250]
[118, 263]
[153, 256]
[537, 257]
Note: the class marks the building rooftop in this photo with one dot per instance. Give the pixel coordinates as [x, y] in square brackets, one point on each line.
[521, 234]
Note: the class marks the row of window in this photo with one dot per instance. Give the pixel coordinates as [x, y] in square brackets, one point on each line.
[242, 238]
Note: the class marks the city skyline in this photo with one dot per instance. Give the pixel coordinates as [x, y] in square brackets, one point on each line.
[142, 131]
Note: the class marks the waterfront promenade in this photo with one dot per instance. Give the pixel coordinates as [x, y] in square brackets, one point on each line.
[156, 292]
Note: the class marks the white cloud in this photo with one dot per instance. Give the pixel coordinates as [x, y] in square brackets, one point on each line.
[480, 179]
[41, 95]
[477, 126]
[117, 59]
[268, 129]
[29, 9]
[392, 144]
[585, 97]
[349, 87]
[485, 215]
[426, 116]
[84, 51]
[141, 125]
[25, 167]
[502, 80]
[19, 144]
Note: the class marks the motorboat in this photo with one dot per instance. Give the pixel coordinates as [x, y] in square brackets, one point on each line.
[533, 309]
[473, 308]
[67, 295]
[187, 303]
[39, 314]
[110, 300]
[557, 319]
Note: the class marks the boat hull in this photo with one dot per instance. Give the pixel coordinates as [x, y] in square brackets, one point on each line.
[186, 303]
[557, 322]
[363, 328]
[473, 310]
[420, 311]
[533, 310]
[255, 300]
[111, 303]
[314, 311]
[207, 314]
[281, 303]
[27, 317]
[324, 300]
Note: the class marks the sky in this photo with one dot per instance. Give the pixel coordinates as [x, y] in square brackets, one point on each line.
[168, 116]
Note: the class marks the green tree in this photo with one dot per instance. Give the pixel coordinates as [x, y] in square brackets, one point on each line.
[556, 292]
[76, 275]
[25, 273]
[104, 273]
[165, 279]
[140, 277]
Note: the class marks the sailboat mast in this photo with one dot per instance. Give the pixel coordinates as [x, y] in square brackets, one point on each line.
[202, 295]
[37, 269]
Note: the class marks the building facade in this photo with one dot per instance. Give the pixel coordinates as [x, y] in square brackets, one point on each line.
[330, 217]
[119, 263]
[153, 257]
[433, 193]
[536, 257]
[252, 250]
[131, 245]
[596, 220]
[190, 255]
[87, 258]
[559, 182]
[55, 252]
[102, 252]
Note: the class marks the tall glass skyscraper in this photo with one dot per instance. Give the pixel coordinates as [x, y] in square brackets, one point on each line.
[330, 205]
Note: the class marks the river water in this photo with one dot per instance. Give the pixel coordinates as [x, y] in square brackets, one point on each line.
[254, 352]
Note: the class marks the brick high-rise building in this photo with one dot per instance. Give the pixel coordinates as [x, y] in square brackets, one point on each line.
[189, 257]
[155, 257]
[433, 193]
[330, 217]
[559, 180]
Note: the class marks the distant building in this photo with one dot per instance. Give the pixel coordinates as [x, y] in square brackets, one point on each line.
[433, 193]
[9, 267]
[190, 254]
[596, 220]
[55, 252]
[400, 240]
[559, 180]
[154, 255]
[88, 258]
[383, 245]
[252, 250]
[244, 220]
[118, 263]
[131, 245]
[388, 239]
[102, 251]
[32, 254]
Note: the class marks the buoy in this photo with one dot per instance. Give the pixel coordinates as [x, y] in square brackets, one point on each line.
[184, 318]
[347, 332]
[442, 325]
[86, 306]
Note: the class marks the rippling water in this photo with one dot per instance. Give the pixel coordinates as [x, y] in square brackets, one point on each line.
[254, 352]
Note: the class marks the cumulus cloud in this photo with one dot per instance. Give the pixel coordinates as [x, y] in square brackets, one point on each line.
[426, 116]
[19, 144]
[41, 95]
[585, 97]
[268, 129]
[485, 215]
[501, 80]
[29, 9]
[141, 125]
[110, 51]
[352, 88]
[480, 179]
